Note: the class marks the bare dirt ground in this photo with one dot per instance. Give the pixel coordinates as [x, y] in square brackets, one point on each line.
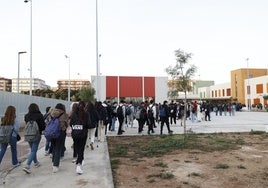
[243, 163]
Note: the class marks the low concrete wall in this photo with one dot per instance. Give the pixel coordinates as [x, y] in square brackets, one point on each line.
[21, 103]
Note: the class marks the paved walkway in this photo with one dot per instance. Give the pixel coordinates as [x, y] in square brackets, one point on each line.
[97, 169]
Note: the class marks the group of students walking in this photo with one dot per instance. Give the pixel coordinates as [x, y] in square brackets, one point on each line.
[85, 121]
[80, 123]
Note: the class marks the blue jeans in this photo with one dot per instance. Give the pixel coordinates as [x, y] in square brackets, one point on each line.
[48, 147]
[32, 156]
[13, 146]
[192, 116]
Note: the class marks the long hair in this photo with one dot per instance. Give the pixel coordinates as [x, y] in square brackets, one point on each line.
[74, 109]
[90, 106]
[33, 108]
[82, 116]
[10, 115]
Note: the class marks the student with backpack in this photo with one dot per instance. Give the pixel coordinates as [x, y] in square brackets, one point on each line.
[34, 121]
[94, 118]
[102, 124]
[140, 116]
[164, 115]
[12, 122]
[151, 115]
[120, 113]
[47, 118]
[130, 114]
[58, 142]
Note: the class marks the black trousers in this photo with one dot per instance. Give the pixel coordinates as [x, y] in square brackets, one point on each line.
[79, 147]
[164, 120]
[121, 121]
[57, 148]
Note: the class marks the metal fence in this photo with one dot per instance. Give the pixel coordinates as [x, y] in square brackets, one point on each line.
[21, 103]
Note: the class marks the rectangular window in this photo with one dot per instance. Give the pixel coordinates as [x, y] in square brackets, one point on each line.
[256, 101]
[228, 92]
[259, 88]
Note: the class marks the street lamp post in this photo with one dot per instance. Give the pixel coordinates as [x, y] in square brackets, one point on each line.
[97, 55]
[99, 80]
[31, 45]
[18, 81]
[69, 81]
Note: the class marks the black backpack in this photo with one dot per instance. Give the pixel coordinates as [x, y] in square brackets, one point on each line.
[119, 112]
[128, 110]
[150, 113]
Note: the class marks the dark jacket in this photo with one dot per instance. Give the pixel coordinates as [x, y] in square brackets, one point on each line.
[166, 110]
[94, 117]
[38, 117]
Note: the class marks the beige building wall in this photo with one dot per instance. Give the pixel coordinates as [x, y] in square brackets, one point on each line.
[258, 88]
[237, 82]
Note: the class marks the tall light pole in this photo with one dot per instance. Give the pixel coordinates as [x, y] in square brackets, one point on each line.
[69, 81]
[18, 81]
[99, 80]
[31, 46]
[97, 55]
[248, 87]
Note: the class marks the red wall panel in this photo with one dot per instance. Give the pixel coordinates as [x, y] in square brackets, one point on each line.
[149, 86]
[111, 86]
[130, 86]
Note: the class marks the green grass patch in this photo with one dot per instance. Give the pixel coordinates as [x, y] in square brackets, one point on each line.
[257, 132]
[194, 174]
[241, 167]
[115, 163]
[161, 164]
[222, 166]
[162, 175]
[136, 147]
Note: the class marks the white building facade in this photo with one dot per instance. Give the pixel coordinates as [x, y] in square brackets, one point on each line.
[24, 84]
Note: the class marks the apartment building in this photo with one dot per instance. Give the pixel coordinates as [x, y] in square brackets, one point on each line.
[24, 84]
[5, 84]
[75, 84]
[238, 86]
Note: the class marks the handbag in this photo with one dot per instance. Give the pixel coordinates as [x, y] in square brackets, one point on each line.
[18, 137]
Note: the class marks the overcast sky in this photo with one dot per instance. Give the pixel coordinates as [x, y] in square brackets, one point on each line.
[136, 37]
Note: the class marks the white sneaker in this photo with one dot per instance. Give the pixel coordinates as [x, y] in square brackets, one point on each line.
[62, 158]
[55, 169]
[74, 160]
[79, 170]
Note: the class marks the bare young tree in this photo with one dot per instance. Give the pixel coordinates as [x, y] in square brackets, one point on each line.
[181, 75]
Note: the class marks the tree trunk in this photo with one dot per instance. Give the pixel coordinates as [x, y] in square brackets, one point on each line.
[185, 113]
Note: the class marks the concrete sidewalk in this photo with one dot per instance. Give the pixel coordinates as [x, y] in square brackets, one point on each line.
[97, 169]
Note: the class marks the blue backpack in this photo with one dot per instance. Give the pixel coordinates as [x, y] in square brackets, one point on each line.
[162, 112]
[52, 129]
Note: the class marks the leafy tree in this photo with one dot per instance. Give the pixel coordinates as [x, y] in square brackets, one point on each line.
[87, 94]
[181, 75]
